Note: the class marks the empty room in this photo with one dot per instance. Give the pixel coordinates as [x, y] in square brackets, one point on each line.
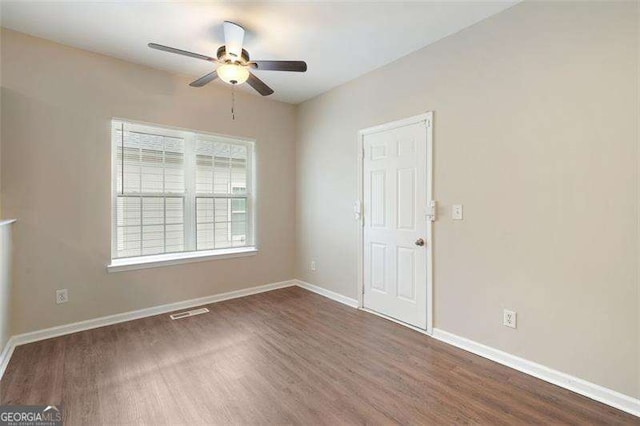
[340, 213]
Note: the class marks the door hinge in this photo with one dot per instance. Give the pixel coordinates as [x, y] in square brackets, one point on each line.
[357, 210]
[432, 211]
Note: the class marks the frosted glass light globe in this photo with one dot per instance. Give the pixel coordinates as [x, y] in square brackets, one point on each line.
[233, 73]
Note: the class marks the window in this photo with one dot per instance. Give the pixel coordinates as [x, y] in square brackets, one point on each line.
[179, 192]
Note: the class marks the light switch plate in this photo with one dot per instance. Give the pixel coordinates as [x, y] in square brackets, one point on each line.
[456, 212]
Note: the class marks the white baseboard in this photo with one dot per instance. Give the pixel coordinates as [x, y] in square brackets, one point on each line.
[327, 293]
[5, 355]
[583, 387]
[62, 330]
[574, 384]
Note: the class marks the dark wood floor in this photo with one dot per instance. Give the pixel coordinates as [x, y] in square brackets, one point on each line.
[287, 356]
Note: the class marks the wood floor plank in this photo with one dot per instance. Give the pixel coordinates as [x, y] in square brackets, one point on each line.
[283, 357]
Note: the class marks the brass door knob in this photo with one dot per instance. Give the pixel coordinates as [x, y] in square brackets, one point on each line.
[419, 242]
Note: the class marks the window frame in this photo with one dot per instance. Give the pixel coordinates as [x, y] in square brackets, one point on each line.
[190, 196]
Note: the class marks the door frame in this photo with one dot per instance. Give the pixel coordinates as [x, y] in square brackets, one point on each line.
[427, 118]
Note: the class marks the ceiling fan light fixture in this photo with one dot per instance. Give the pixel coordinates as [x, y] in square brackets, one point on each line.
[233, 73]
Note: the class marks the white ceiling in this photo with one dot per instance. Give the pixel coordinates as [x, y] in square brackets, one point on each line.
[339, 41]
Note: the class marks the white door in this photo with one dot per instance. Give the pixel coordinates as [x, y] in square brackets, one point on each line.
[397, 226]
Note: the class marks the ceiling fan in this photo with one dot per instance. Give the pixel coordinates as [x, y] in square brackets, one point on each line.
[234, 62]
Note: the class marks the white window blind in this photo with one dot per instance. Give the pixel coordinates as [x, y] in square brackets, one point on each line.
[221, 199]
[179, 191]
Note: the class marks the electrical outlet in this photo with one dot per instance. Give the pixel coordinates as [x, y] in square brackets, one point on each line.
[313, 265]
[509, 318]
[62, 296]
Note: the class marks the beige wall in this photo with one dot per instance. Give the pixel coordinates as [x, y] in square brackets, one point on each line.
[536, 130]
[536, 133]
[57, 103]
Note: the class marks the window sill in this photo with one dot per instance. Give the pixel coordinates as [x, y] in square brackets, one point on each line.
[144, 262]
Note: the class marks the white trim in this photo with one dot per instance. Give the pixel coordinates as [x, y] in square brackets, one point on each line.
[572, 383]
[360, 221]
[62, 330]
[398, 123]
[7, 222]
[176, 131]
[189, 200]
[48, 333]
[590, 390]
[114, 185]
[5, 355]
[430, 199]
[413, 327]
[328, 293]
[190, 137]
[427, 117]
[168, 259]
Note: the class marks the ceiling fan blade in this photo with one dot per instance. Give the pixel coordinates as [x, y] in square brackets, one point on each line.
[181, 52]
[296, 66]
[259, 85]
[233, 38]
[204, 79]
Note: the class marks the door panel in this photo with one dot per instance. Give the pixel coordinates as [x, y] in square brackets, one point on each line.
[395, 198]
[406, 191]
[377, 197]
[378, 262]
[406, 274]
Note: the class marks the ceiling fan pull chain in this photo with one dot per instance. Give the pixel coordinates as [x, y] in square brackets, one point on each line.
[233, 102]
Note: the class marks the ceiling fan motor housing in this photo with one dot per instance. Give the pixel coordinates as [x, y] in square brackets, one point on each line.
[225, 57]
